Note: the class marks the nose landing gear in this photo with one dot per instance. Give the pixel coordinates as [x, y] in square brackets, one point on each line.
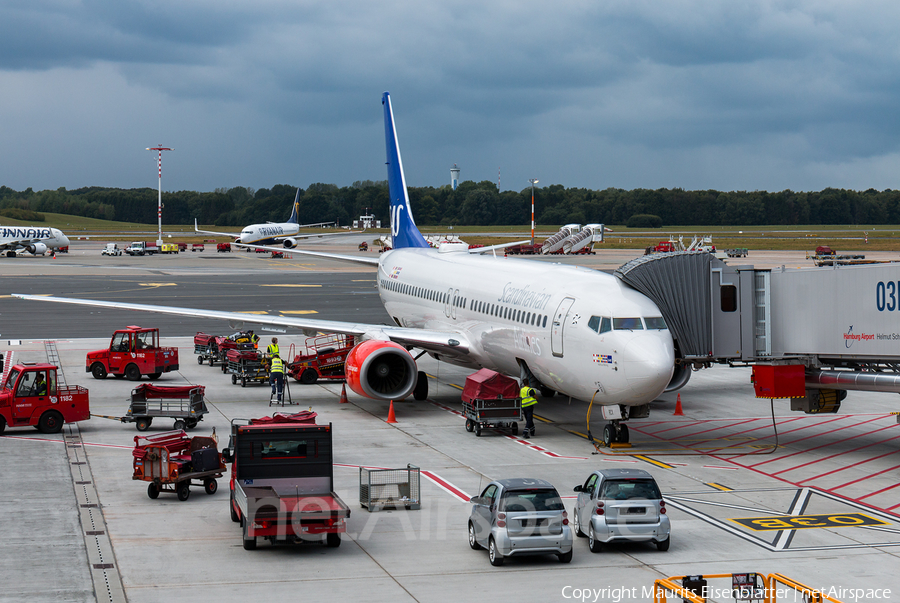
[615, 432]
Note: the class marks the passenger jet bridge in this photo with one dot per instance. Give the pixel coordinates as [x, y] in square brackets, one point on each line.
[810, 334]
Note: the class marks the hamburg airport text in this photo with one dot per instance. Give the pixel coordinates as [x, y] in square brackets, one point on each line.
[25, 233]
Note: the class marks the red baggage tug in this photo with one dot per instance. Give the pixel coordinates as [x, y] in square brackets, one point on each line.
[31, 396]
[133, 352]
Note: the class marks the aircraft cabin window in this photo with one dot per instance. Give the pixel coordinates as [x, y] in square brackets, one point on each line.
[656, 323]
[544, 325]
[628, 324]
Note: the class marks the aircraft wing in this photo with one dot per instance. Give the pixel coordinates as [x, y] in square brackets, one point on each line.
[439, 341]
[331, 256]
[16, 244]
[233, 235]
[499, 246]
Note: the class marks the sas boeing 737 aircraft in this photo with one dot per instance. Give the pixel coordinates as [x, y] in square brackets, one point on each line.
[285, 233]
[565, 329]
[36, 240]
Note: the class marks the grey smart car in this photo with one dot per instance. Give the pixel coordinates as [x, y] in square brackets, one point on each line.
[515, 517]
[621, 504]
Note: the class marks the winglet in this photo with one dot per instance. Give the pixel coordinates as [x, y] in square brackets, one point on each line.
[195, 226]
[404, 232]
[293, 219]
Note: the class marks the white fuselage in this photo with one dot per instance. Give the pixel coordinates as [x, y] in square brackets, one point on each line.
[262, 234]
[13, 237]
[549, 316]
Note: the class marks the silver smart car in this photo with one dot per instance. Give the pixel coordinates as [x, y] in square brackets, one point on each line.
[520, 517]
[621, 504]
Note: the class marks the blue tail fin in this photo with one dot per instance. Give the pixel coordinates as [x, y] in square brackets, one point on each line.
[403, 228]
[293, 219]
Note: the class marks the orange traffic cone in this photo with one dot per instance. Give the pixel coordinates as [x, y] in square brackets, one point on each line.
[344, 399]
[678, 411]
[391, 418]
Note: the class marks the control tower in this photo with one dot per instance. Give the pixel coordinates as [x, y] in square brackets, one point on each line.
[454, 177]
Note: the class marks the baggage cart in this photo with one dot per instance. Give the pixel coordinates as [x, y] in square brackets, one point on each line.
[171, 461]
[246, 366]
[395, 488]
[185, 404]
[491, 401]
[206, 348]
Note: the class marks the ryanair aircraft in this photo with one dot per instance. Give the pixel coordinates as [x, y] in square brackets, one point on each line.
[36, 240]
[285, 233]
[575, 331]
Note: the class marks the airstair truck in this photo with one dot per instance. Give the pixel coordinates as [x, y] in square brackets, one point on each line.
[282, 481]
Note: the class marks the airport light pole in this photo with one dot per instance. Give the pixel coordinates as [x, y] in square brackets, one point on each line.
[533, 181]
[159, 150]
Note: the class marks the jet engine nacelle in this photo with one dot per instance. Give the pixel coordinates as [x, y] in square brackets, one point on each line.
[380, 369]
[37, 249]
[290, 243]
[680, 377]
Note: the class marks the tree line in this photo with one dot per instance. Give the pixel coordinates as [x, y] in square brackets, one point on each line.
[472, 203]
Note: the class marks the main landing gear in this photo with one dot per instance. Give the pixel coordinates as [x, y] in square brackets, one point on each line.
[615, 432]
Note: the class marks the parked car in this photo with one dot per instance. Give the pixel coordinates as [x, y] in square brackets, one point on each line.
[515, 517]
[111, 249]
[621, 505]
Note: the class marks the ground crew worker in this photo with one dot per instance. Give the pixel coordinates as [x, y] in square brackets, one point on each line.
[40, 386]
[528, 404]
[276, 377]
[254, 339]
[272, 350]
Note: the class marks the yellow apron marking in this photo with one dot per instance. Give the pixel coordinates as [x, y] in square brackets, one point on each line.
[719, 487]
[299, 311]
[290, 285]
[802, 522]
[653, 461]
[252, 312]
[158, 284]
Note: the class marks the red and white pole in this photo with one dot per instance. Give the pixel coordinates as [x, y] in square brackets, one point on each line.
[159, 150]
[533, 181]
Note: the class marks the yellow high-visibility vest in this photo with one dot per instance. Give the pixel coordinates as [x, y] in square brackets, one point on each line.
[272, 349]
[277, 366]
[527, 395]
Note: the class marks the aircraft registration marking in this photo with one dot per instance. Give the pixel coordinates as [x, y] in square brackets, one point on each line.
[802, 522]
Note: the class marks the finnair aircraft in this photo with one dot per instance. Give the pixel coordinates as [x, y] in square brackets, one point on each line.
[285, 233]
[565, 329]
[36, 240]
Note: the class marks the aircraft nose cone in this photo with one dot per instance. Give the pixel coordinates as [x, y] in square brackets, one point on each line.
[649, 362]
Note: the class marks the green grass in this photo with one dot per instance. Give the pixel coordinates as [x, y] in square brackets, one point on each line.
[838, 237]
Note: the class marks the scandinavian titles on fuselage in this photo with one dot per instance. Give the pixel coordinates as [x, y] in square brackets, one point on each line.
[524, 297]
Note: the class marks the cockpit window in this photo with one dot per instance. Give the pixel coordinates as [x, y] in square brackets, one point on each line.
[655, 323]
[628, 324]
[601, 324]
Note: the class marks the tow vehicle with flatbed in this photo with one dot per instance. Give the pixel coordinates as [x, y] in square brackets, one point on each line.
[31, 396]
[282, 481]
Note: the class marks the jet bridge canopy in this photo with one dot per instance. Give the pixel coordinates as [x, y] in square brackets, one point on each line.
[679, 284]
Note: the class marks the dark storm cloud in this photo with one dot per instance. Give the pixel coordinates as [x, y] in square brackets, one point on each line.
[694, 93]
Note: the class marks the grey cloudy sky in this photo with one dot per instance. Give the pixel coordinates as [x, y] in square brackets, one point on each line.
[723, 94]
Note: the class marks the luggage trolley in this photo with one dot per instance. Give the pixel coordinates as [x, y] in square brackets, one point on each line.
[185, 404]
[491, 401]
[171, 461]
[246, 366]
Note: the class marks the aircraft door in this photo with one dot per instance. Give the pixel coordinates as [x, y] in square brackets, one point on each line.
[559, 325]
